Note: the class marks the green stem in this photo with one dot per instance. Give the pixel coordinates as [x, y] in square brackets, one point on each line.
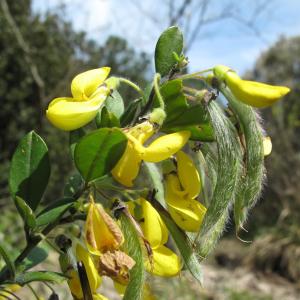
[194, 75]
[156, 82]
[131, 84]
[36, 296]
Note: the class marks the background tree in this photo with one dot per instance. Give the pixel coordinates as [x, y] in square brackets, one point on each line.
[39, 57]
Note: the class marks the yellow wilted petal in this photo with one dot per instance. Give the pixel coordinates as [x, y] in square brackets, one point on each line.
[164, 146]
[267, 145]
[165, 263]
[188, 174]
[187, 213]
[153, 227]
[101, 232]
[128, 166]
[69, 114]
[85, 84]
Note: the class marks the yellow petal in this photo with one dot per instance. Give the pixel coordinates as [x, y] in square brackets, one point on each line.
[164, 146]
[94, 279]
[142, 132]
[267, 145]
[128, 166]
[250, 92]
[101, 231]
[69, 114]
[188, 174]
[187, 213]
[153, 227]
[85, 84]
[99, 297]
[74, 284]
[165, 263]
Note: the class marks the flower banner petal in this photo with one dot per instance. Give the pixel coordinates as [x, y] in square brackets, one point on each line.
[84, 84]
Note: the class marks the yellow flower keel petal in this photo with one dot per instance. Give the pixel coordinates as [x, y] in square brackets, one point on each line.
[188, 174]
[165, 146]
[250, 92]
[127, 168]
[153, 227]
[187, 214]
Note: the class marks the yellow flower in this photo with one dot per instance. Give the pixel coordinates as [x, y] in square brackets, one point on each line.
[160, 149]
[101, 232]
[93, 277]
[70, 113]
[181, 191]
[104, 238]
[250, 92]
[164, 262]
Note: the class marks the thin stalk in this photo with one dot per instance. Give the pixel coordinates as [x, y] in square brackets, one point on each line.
[36, 296]
[195, 75]
[156, 82]
[131, 84]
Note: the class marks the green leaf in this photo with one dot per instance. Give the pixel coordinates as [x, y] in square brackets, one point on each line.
[35, 257]
[131, 112]
[28, 277]
[251, 183]
[8, 260]
[74, 185]
[171, 40]
[30, 170]
[74, 138]
[229, 167]
[182, 242]
[25, 212]
[183, 116]
[98, 152]
[54, 211]
[105, 118]
[134, 249]
[115, 104]
[156, 179]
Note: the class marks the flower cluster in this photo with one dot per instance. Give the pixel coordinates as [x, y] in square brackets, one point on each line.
[102, 250]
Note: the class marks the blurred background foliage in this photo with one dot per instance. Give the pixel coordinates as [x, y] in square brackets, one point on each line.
[39, 55]
[40, 68]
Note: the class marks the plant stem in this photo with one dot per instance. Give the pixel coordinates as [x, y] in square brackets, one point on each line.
[156, 82]
[131, 84]
[36, 296]
[194, 75]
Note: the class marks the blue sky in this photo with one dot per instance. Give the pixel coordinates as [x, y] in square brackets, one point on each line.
[224, 42]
